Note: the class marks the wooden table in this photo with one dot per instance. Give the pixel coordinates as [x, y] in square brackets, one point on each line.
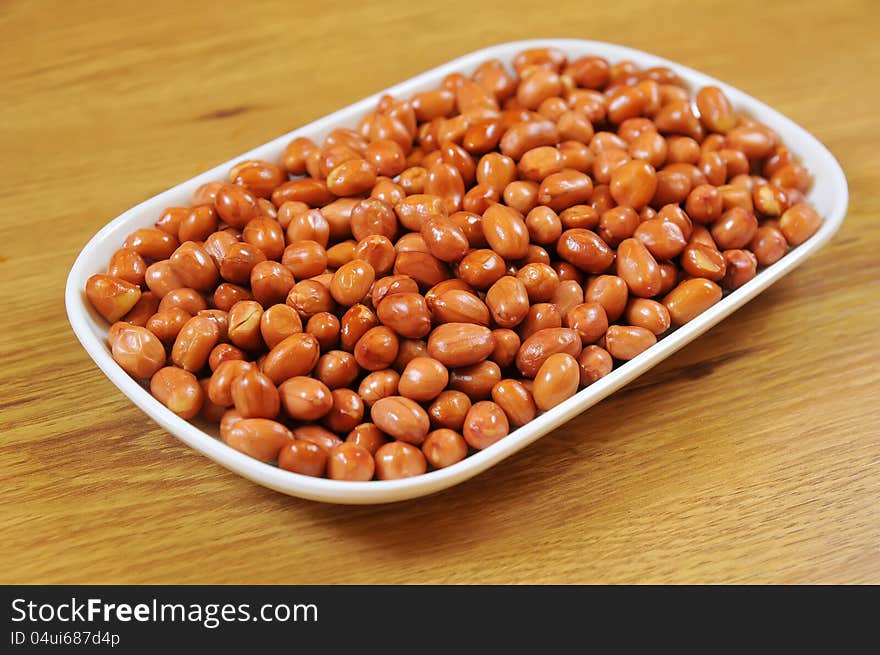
[754, 456]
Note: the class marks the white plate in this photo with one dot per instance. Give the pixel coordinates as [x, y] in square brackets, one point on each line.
[829, 196]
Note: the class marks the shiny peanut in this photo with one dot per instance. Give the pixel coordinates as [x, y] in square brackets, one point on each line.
[475, 381]
[350, 462]
[585, 250]
[589, 320]
[254, 395]
[112, 297]
[398, 460]
[378, 385]
[325, 327]
[539, 346]
[277, 323]
[638, 268]
[459, 306]
[401, 418]
[648, 314]
[305, 399]
[485, 424]
[423, 379]
[690, 299]
[594, 363]
[515, 400]
[798, 223]
[294, 356]
[377, 348]
[302, 457]
[178, 390]
[194, 343]
[137, 351]
[405, 313]
[151, 243]
[460, 344]
[260, 438]
[444, 447]
[166, 324]
[556, 381]
[768, 244]
[481, 268]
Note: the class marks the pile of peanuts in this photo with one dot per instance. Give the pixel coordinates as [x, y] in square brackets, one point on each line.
[411, 290]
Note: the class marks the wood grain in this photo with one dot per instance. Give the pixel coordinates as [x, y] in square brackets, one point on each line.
[753, 456]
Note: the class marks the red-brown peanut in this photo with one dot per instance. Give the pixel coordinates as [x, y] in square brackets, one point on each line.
[690, 299]
[111, 297]
[401, 418]
[516, 400]
[485, 424]
[556, 381]
[137, 351]
[178, 390]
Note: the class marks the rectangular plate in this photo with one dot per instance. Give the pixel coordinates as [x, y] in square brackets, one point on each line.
[829, 196]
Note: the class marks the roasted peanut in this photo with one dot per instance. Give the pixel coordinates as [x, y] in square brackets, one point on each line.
[254, 395]
[137, 351]
[638, 268]
[348, 461]
[627, 342]
[367, 436]
[690, 299]
[178, 390]
[401, 418]
[294, 356]
[423, 379]
[325, 327]
[741, 267]
[539, 346]
[459, 306]
[648, 314]
[128, 265]
[585, 250]
[485, 424]
[662, 238]
[589, 320]
[354, 324]
[378, 385]
[112, 297]
[405, 313]
[277, 323]
[594, 363]
[302, 457]
[305, 399]
[194, 343]
[377, 348]
[398, 460]
[516, 401]
[346, 412]
[799, 223]
[768, 244]
[540, 281]
[166, 324]
[505, 231]
[151, 243]
[481, 268]
[540, 316]
[444, 447]
[477, 380]
[460, 344]
[556, 381]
